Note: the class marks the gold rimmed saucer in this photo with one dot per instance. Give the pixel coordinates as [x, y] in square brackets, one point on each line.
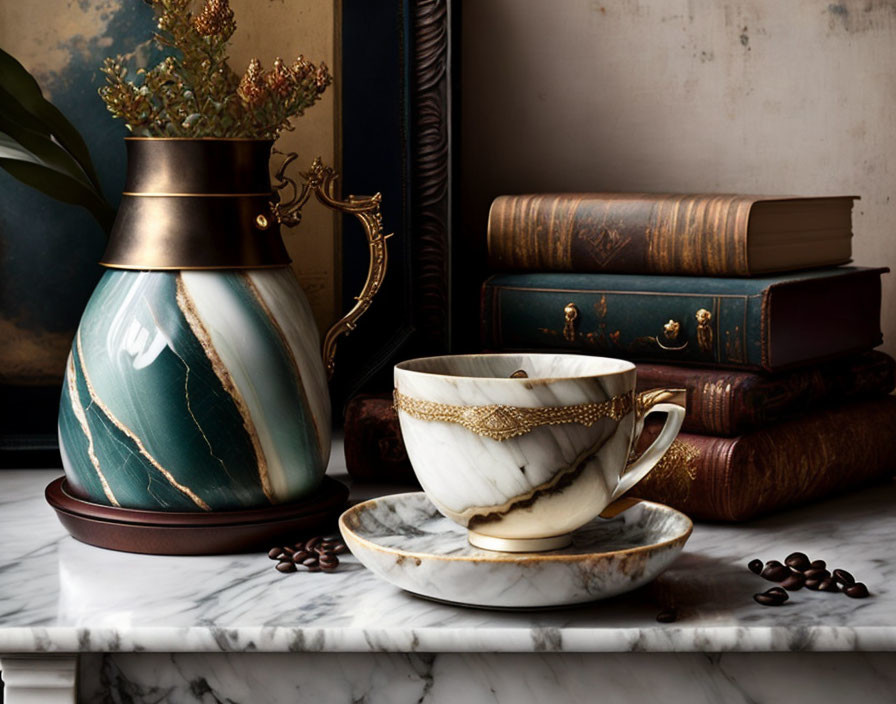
[406, 541]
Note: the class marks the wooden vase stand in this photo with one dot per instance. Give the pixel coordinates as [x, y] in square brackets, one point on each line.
[199, 533]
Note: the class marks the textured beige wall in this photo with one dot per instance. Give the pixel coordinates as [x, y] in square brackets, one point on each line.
[756, 96]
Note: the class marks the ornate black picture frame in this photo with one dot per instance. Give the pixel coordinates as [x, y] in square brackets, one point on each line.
[398, 75]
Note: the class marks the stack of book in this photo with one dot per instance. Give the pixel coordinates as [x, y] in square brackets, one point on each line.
[743, 301]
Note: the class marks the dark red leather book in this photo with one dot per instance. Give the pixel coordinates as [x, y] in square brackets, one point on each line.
[374, 450]
[783, 465]
[722, 402]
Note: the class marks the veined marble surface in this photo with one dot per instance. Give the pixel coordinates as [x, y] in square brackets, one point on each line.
[58, 595]
[486, 678]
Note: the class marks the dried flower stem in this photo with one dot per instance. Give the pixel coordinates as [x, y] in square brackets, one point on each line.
[195, 93]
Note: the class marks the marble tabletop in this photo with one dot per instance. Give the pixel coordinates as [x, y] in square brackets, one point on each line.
[58, 595]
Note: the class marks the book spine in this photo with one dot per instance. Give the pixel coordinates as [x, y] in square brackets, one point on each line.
[700, 235]
[727, 403]
[734, 479]
[772, 325]
[626, 324]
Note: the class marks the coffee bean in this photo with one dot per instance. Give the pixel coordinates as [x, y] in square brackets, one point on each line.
[312, 542]
[813, 584]
[774, 571]
[755, 566]
[275, 553]
[773, 597]
[817, 573]
[343, 548]
[818, 564]
[828, 585]
[844, 577]
[797, 560]
[286, 566]
[795, 581]
[856, 591]
[328, 567]
[669, 615]
[313, 568]
[308, 561]
[301, 556]
[288, 550]
[329, 563]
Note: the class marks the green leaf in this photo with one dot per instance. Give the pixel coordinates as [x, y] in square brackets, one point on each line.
[14, 122]
[11, 149]
[20, 84]
[24, 167]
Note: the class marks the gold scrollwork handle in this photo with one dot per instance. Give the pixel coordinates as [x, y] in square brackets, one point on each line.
[646, 400]
[320, 181]
[571, 315]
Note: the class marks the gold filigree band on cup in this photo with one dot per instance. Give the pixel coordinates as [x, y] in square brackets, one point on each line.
[500, 422]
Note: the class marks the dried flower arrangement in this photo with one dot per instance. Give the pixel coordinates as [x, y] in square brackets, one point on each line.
[195, 93]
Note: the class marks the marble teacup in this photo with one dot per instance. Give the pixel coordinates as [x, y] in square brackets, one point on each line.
[523, 449]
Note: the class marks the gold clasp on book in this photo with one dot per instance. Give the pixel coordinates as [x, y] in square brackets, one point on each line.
[704, 331]
[670, 330]
[571, 313]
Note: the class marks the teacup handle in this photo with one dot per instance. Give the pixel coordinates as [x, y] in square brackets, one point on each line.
[670, 401]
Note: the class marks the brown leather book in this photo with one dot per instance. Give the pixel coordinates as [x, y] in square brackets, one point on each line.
[643, 233]
[783, 465]
[726, 403]
[374, 450]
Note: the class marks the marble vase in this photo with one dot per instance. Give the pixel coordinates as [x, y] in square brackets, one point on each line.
[195, 390]
[195, 380]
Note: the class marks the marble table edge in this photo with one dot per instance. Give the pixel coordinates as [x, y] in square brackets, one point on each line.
[671, 638]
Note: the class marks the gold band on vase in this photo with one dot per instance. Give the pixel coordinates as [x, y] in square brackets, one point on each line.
[500, 422]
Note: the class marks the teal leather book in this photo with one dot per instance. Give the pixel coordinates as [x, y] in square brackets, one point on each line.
[766, 323]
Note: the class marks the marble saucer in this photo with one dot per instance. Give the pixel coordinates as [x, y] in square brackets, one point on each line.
[406, 541]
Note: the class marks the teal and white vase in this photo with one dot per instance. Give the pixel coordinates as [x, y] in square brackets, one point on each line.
[195, 380]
